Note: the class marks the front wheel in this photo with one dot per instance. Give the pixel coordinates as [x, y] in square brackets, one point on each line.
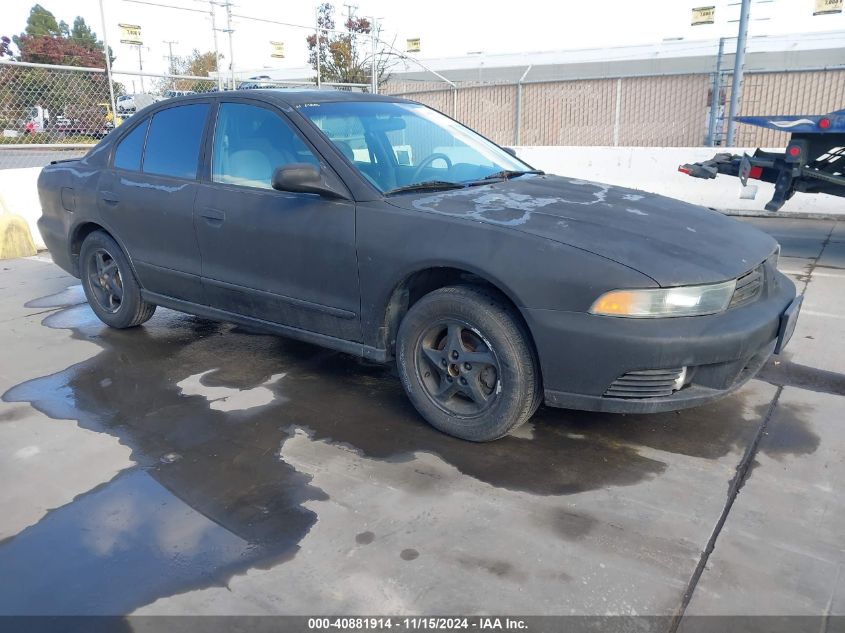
[467, 364]
[109, 283]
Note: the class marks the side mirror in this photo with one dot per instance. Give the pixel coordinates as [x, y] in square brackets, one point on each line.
[302, 178]
[510, 150]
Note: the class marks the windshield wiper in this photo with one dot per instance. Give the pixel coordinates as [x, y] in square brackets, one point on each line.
[428, 185]
[506, 174]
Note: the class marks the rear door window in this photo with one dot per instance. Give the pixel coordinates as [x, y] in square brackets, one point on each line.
[129, 150]
[174, 140]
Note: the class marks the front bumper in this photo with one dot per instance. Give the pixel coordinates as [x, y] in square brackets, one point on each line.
[581, 354]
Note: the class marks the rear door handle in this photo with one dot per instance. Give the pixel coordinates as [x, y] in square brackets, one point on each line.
[215, 217]
[109, 197]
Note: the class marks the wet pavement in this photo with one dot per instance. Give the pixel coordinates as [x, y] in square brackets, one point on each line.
[191, 467]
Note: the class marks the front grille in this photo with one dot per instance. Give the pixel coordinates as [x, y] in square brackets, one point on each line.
[647, 383]
[748, 288]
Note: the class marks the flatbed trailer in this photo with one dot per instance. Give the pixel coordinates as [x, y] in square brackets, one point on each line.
[813, 161]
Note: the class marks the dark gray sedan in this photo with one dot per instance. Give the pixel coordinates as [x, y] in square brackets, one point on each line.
[382, 228]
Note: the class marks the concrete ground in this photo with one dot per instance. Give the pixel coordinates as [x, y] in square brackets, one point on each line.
[193, 467]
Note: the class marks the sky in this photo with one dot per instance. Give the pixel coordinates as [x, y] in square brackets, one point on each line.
[445, 27]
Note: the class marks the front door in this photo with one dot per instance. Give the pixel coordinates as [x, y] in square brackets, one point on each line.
[287, 258]
[147, 199]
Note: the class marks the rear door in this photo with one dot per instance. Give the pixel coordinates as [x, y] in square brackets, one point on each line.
[147, 199]
[288, 258]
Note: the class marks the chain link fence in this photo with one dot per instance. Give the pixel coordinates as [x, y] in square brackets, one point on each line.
[648, 110]
[54, 112]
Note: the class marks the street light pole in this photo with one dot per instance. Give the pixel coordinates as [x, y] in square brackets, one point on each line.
[739, 62]
[141, 66]
[715, 97]
[108, 62]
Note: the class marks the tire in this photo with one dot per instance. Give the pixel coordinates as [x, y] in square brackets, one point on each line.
[109, 283]
[467, 364]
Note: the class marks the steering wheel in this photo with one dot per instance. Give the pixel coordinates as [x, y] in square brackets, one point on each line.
[425, 162]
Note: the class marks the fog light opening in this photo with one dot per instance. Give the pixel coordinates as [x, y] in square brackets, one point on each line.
[680, 380]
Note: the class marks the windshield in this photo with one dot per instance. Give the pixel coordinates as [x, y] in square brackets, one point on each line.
[399, 145]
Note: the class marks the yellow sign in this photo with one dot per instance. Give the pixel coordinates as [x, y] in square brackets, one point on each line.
[130, 34]
[703, 15]
[278, 49]
[413, 45]
[825, 7]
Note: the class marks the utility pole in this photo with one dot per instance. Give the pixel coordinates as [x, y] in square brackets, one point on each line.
[350, 13]
[373, 64]
[739, 62]
[170, 67]
[319, 49]
[228, 6]
[216, 50]
[141, 66]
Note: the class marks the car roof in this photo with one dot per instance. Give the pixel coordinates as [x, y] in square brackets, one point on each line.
[300, 96]
[294, 96]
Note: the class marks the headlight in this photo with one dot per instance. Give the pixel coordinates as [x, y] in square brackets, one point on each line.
[666, 302]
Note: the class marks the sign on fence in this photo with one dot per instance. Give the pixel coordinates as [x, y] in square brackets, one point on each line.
[130, 34]
[413, 45]
[703, 15]
[825, 7]
[278, 49]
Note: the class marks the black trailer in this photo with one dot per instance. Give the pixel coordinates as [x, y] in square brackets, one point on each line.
[813, 161]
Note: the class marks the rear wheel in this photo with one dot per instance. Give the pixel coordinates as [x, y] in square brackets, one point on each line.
[467, 364]
[109, 283]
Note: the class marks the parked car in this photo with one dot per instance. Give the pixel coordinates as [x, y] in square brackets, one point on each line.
[493, 286]
[170, 94]
[129, 104]
[259, 81]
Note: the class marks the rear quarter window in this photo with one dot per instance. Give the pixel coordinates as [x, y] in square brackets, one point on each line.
[174, 139]
[129, 149]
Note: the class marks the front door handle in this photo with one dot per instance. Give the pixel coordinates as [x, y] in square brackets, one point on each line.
[215, 217]
[109, 197]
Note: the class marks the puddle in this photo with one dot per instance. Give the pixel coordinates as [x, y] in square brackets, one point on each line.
[127, 543]
[205, 406]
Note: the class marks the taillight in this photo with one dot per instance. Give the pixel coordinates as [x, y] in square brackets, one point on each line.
[756, 173]
[824, 123]
[796, 151]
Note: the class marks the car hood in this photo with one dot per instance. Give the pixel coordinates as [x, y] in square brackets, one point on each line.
[673, 242]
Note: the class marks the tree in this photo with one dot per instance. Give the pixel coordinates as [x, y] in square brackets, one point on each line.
[47, 41]
[82, 34]
[6, 48]
[58, 50]
[344, 57]
[196, 64]
[41, 22]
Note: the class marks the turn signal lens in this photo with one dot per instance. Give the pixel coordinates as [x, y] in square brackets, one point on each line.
[666, 302]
